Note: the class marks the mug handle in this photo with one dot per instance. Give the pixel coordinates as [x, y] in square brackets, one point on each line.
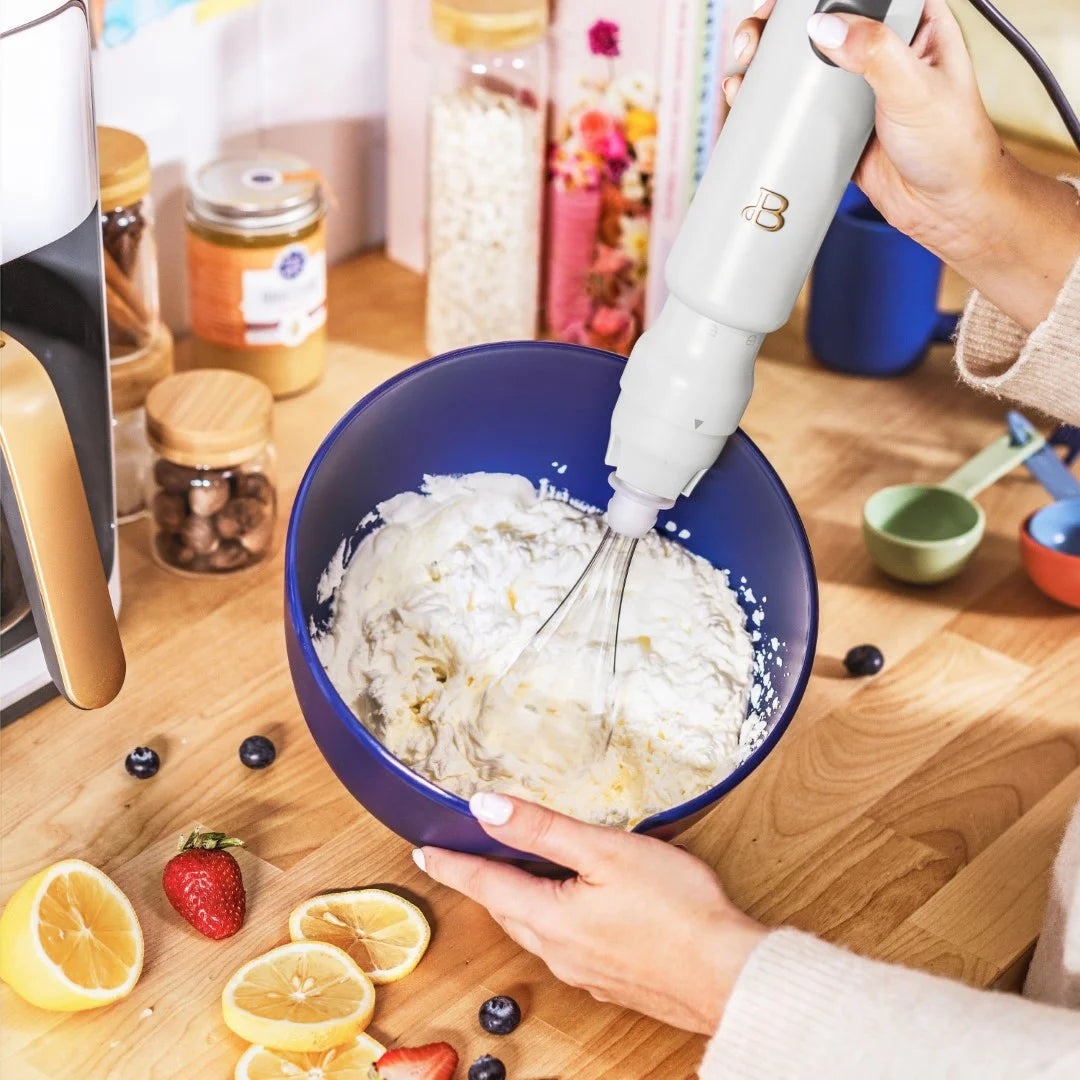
[1067, 436]
[945, 327]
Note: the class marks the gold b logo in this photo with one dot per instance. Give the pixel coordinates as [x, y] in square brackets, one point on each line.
[768, 212]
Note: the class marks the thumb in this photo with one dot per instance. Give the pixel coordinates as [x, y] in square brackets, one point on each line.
[566, 841]
[870, 48]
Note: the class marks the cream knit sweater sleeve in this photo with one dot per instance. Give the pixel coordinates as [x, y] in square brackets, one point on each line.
[803, 1009]
[1041, 369]
[806, 1010]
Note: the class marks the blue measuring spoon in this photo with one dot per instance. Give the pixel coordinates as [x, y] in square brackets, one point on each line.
[1044, 464]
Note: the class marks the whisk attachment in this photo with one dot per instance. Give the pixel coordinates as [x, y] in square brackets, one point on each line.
[553, 706]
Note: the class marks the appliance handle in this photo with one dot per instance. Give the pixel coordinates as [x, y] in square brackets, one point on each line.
[44, 505]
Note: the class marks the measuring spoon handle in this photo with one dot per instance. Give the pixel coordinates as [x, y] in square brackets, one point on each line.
[991, 464]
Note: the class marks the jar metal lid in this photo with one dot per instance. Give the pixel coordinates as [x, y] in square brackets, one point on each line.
[123, 168]
[132, 377]
[261, 193]
[209, 418]
[490, 25]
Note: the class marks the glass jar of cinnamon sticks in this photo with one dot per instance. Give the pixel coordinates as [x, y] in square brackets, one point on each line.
[129, 250]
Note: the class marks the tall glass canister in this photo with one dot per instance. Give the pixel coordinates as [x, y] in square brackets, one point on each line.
[486, 159]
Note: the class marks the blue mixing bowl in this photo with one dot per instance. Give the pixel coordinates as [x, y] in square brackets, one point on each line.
[541, 410]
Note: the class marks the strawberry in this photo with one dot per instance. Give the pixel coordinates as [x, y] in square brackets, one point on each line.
[204, 884]
[436, 1061]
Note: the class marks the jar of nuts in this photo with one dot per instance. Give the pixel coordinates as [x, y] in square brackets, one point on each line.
[213, 495]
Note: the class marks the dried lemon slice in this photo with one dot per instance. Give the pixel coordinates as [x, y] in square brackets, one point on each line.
[381, 931]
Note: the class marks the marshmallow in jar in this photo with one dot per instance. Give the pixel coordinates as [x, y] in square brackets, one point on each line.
[212, 491]
[486, 161]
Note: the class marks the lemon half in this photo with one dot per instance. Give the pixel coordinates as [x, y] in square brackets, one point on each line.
[304, 996]
[70, 939]
[381, 931]
[352, 1061]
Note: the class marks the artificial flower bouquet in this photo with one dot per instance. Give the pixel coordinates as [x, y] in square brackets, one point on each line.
[599, 198]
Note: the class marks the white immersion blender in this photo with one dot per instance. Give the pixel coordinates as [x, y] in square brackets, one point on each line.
[774, 181]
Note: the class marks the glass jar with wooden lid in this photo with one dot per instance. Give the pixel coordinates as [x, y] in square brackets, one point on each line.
[131, 380]
[256, 253]
[212, 490]
[129, 248]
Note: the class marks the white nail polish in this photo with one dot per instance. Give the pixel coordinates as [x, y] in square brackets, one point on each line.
[740, 45]
[418, 858]
[828, 31]
[491, 808]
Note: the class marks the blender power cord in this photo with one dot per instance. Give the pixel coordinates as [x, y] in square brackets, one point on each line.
[1035, 62]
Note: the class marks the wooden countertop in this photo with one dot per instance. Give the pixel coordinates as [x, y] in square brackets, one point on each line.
[912, 816]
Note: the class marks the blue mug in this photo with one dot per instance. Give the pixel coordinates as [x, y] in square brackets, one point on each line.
[873, 295]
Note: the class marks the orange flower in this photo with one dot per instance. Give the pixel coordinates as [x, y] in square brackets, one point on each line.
[595, 126]
[610, 321]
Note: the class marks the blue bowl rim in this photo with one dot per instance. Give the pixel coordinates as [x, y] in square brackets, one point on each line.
[448, 800]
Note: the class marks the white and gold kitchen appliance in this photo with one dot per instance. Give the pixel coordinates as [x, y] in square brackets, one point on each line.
[60, 585]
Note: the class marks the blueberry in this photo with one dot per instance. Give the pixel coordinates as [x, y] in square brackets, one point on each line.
[864, 660]
[142, 763]
[257, 751]
[500, 1015]
[487, 1068]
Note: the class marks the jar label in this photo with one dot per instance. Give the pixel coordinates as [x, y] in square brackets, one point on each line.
[252, 297]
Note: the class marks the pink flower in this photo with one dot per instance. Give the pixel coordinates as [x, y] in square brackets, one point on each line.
[604, 38]
[632, 299]
[595, 128]
[609, 322]
[574, 333]
[609, 260]
[614, 146]
[574, 169]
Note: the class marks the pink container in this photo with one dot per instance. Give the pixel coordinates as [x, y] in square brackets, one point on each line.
[572, 221]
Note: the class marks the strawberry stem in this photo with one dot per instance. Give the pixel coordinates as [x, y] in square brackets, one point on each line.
[209, 841]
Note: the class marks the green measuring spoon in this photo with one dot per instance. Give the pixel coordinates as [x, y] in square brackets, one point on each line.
[925, 533]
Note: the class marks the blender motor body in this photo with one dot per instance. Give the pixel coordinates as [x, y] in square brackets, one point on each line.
[775, 178]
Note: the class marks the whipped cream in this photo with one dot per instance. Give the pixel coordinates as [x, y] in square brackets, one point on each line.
[442, 596]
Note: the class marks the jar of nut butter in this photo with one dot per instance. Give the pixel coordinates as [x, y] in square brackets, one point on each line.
[256, 254]
[212, 489]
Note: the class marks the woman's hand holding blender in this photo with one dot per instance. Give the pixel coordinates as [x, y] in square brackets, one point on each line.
[1015, 235]
[1009, 231]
